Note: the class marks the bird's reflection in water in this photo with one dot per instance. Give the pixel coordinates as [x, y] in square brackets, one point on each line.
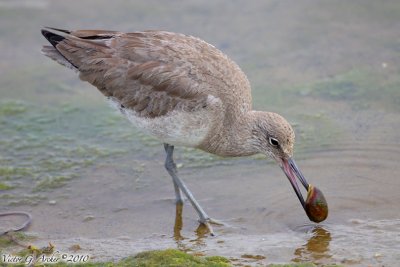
[183, 243]
[316, 249]
[178, 223]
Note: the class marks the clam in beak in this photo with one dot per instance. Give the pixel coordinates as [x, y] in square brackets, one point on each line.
[291, 170]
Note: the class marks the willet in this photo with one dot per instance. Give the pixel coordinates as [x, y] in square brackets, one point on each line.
[181, 90]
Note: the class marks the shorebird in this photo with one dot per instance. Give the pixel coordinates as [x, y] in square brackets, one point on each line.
[180, 90]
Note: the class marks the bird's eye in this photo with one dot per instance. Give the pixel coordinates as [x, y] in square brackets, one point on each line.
[273, 141]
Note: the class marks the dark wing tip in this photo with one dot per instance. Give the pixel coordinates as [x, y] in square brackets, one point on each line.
[53, 38]
[59, 30]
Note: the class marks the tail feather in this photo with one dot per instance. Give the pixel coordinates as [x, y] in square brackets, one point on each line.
[53, 38]
[52, 52]
[59, 30]
[73, 48]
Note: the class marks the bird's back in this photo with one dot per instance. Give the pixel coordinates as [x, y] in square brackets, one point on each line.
[178, 88]
[126, 64]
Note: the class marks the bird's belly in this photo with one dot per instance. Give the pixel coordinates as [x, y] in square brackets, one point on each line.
[174, 128]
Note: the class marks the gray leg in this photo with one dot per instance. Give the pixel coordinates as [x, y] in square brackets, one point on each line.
[171, 168]
[178, 193]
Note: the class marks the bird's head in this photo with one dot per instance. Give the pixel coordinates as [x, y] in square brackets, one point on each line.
[274, 136]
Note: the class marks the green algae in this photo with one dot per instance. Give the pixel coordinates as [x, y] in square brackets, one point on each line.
[361, 87]
[51, 182]
[315, 131]
[4, 186]
[301, 265]
[168, 257]
[345, 86]
[7, 242]
[172, 257]
[22, 199]
[10, 172]
[42, 148]
[195, 158]
[12, 107]
[292, 265]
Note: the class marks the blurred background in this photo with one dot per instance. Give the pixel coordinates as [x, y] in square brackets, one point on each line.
[330, 67]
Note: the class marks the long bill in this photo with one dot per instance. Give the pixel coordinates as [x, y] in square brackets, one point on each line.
[291, 170]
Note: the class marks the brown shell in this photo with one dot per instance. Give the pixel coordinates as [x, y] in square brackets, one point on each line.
[316, 205]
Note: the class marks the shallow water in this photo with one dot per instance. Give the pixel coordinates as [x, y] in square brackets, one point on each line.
[90, 178]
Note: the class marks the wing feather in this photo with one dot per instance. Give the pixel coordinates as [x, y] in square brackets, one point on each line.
[153, 72]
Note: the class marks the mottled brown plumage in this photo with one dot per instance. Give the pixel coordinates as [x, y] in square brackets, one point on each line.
[179, 89]
[154, 73]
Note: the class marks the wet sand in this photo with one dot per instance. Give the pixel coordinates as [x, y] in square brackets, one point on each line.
[332, 73]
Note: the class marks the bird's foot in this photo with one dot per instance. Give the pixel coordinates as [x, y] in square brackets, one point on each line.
[207, 223]
[216, 222]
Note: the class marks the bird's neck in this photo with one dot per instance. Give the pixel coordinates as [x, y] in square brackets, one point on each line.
[232, 137]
